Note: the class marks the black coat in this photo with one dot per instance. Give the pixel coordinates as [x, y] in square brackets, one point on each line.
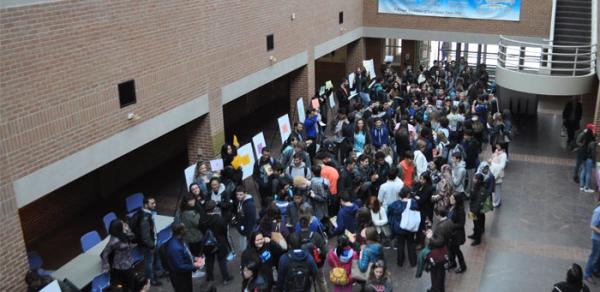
[458, 217]
[567, 111]
[271, 252]
[217, 225]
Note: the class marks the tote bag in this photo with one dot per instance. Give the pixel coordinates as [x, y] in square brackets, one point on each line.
[411, 219]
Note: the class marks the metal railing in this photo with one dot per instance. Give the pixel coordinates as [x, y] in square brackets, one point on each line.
[546, 58]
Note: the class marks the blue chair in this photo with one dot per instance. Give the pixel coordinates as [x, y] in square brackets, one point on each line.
[164, 235]
[137, 255]
[107, 219]
[134, 202]
[35, 260]
[101, 282]
[89, 239]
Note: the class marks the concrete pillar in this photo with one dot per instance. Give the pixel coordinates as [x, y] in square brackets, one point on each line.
[374, 49]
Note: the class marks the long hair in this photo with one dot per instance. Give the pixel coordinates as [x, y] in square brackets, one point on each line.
[116, 229]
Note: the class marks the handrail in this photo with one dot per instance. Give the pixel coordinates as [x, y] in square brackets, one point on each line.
[543, 58]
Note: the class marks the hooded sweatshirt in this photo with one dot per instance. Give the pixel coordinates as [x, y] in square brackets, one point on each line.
[371, 254]
[344, 261]
[346, 219]
[458, 177]
[248, 208]
[297, 255]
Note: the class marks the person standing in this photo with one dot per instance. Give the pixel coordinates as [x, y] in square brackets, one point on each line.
[147, 241]
[571, 117]
[116, 256]
[215, 242]
[404, 237]
[245, 216]
[262, 177]
[457, 215]
[591, 266]
[296, 269]
[180, 260]
[478, 197]
[497, 165]
[390, 190]
[190, 218]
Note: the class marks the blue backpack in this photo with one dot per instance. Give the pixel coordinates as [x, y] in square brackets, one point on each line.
[395, 217]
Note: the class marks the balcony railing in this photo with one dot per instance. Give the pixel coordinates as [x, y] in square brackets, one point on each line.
[546, 58]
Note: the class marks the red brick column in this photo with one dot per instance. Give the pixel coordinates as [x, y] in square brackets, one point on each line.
[206, 135]
[12, 245]
[302, 84]
[355, 55]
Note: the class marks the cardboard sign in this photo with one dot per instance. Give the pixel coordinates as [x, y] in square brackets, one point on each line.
[246, 160]
[285, 128]
[216, 165]
[331, 101]
[370, 67]
[322, 90]
[328, 84]
[259, 143]
[52, 287]
[300, 108]
[388, 59]
[351, 79]
[189, 174]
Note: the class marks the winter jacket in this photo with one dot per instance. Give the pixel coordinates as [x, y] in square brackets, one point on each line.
[459, 174]
[121, 250]
[497, 167]
[147, 230]
[371, 254]
[190, 219]
[297, 255]
[394, 212]
[223, 200]
[478, 197]
[217, 225]
[320, 188]
[179, 256]
[310, 124]
[566, 287]
[293, 212]
[344, 261]
[268, 257]
[346, 219]
[248, 209]
[472, 150]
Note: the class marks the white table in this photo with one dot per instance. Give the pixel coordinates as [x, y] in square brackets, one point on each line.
[86, 266]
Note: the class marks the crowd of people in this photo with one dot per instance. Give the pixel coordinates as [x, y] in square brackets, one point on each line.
[403, 165]
[393, 169]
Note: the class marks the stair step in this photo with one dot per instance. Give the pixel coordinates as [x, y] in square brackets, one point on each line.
[569, 25]
[574, 20]
[574, 2]
[580, 15]
[576, 38]
[560, 8]
[571, 33]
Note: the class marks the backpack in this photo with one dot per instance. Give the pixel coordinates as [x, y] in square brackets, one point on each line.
[297, 277]
[210, 242]
[339, 277]
[395, 219]
[289, 171]
[134, 223]
[312, 249]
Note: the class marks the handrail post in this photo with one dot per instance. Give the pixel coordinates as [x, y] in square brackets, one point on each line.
[575, 62]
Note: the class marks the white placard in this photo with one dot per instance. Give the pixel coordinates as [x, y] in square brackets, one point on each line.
[370, 67]
[285, 128]
[247, 160]
[189, 175]
[388, 59]
[216, 165]
[52, 287]
[300, 109]
[331, 100]
[351, 79]
[259, 143]
[352, 94]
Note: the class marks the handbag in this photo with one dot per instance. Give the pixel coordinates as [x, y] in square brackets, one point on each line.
[411, 219]
[357, 274]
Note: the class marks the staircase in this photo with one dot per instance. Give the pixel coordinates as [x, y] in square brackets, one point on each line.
[573, 27]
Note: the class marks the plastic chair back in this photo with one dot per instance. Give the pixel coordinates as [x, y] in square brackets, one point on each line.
[107, 219]
[90, 239]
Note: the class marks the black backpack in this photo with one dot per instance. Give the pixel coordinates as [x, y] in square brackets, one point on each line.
[297, 277]
[134, 223]
[311, 248]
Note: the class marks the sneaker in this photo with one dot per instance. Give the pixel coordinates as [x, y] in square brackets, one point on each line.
[198, 274]
[581, 189]
[588, 190]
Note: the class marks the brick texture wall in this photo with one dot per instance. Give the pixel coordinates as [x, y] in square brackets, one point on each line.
[535, 21]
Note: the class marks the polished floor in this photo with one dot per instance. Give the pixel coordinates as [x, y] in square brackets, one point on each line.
[541, 228]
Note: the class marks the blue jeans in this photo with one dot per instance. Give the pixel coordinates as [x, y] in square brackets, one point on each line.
[151, 263]
[591, 263]
[585, 177]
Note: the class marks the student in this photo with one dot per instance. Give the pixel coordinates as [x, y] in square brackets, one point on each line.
[265, 252]
[215, 243]
[147, 241]
[346, 215]
[190, 218]
[340, 260]
[379, 279]
[245, 217]
[297, 269]
[574, 282]
[253, 281]
[408, 169]
[405, 238]
[180, 261]
[117, 256]
[314, 244]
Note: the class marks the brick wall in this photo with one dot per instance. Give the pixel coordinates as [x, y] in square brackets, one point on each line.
[535, 21]
[355, 55]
